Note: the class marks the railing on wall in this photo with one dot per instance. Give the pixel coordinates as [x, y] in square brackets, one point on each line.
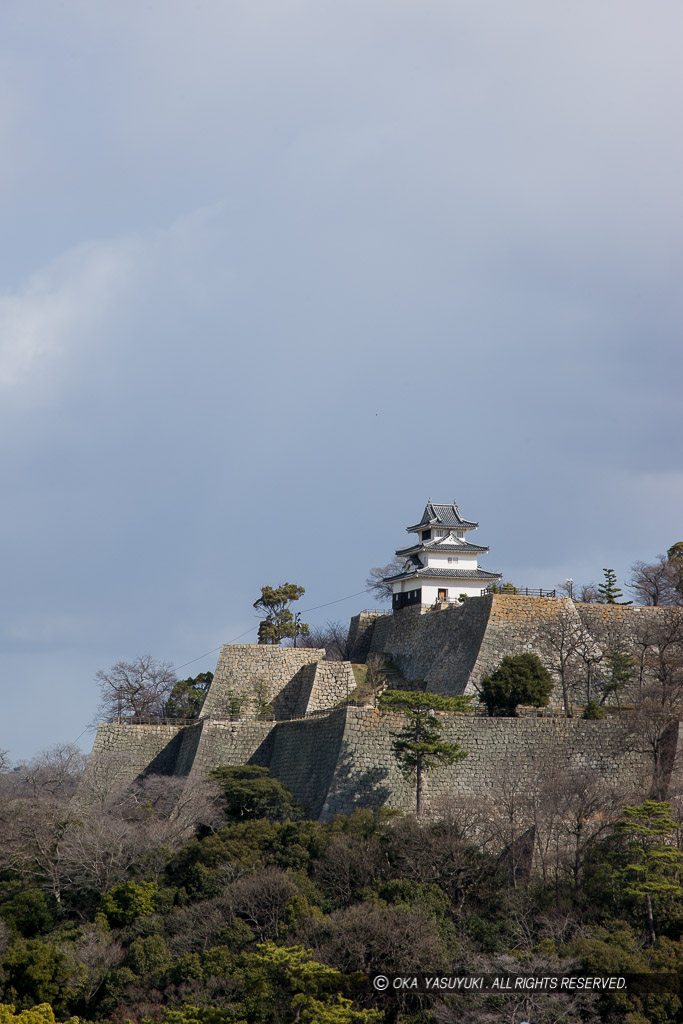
[476, 709]
[519, 591]
[150, 720]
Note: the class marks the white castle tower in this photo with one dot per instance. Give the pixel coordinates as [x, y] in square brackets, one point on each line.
[441, 564]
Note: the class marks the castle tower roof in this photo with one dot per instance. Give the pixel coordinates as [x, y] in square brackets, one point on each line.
[442, 515]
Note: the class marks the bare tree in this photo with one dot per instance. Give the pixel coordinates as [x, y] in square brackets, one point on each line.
[561, 636]
[54, 772]
[654, 726]
[581, 804]
[333, 638]
[654, 584]
[261, 900]
[135, 689]
[512, 814]
[97, 953]
[376, 582]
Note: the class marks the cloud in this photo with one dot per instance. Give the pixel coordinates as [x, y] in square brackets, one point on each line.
[65, 310]
[56, 311]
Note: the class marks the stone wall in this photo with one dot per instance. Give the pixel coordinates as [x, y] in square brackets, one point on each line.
[333, 682]
[451, 649]
[278, 673]
[361, 631]
[616, 620]
[121, 753]
[337, 762]
[526, 750]
[229, 743]
[306, 755]
[439, 646]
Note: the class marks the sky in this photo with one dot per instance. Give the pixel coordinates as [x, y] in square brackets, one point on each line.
[274, 273]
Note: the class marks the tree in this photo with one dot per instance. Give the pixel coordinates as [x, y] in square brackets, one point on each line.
[376, 582]
[333, 638]
[675, 559]
[655, 862]
[249, 792]
[519, 679]
[621, 666]
[279, 621]
[135, 689]
[587, 593]
[563, 638]
[653, 584]
[609, 592]
[418, 748]
[187, 696]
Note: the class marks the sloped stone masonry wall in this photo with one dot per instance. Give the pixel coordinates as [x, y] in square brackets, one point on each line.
[121, 753]
[620, 621]
[306, 755]
[230, 744]
[333, 682]
[244, 668]
[361, 631]
[453, 648]
[528, 750]
[439, 646]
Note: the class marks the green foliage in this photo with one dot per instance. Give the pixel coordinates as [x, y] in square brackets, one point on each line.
[593, 710]
[196, 1015]
[418, 747]
[608, 591]
[40, 1014]
[30, 912]
[40, 971]
[403, 892]
[125, 902]
[621, 669]
[279, 622]
[248, 791]
[147, 954]
[504, 588]
[235, 704]
[286, 983]
[519, 679]
[187, 696]
[675, 560]
[655, 861]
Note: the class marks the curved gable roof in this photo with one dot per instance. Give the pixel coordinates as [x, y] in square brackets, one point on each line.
[447, 516]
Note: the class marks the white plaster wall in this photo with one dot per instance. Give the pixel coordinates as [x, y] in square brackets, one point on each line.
[440, 561]
[454, 588]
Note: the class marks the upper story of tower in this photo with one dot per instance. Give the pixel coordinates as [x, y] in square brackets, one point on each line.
[442, 563]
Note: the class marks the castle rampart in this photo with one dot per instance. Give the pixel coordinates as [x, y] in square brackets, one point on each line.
[342, 759]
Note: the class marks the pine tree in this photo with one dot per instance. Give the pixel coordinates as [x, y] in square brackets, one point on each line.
[655, 862]
[418, 747]
[621, 665]
[609, 592]
[279, 621]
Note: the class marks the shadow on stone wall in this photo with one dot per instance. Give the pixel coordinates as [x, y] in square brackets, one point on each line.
[165, 761]
[293, 697]
[352, 787]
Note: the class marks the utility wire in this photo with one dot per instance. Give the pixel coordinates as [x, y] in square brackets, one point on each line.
[304, 611]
